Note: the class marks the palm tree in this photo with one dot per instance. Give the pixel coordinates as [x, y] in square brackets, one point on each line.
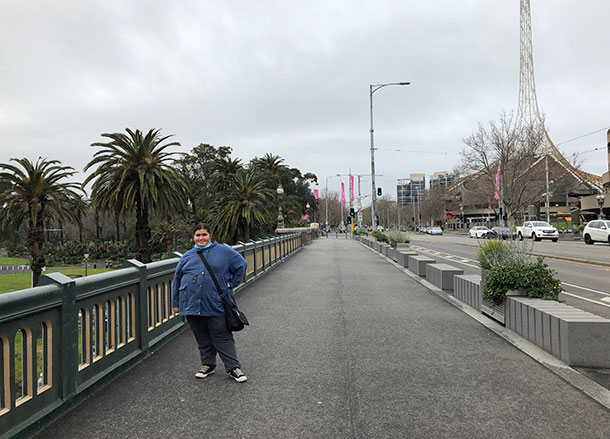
[270, 163]
[226, 170]
[135, 172]
[167, 232]
[241, 207]
[32, 194]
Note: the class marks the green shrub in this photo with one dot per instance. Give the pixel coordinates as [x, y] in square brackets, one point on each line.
[497, 253]
[379, 235]
[396, 236]
[536, 280]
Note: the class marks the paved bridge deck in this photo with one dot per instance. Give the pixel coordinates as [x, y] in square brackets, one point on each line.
[342, 345]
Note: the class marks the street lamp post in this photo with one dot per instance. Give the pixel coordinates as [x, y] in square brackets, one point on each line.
[372, 89]
[280, 217]
[86, 256]
[601, 198]
[326, 218]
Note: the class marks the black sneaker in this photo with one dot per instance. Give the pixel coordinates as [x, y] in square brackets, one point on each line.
[238, 375]
[205, 371]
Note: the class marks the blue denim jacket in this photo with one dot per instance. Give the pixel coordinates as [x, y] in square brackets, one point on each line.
[194, 291]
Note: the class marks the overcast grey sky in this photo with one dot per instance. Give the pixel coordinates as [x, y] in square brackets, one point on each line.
[292, 78]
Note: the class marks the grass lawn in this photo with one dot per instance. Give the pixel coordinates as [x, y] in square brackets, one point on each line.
[14, 261]
[21, 281]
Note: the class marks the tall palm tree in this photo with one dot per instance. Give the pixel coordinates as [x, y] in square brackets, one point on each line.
[241, 207]
[135, 171]
[270, 163]
[226, 170]
[33, 193]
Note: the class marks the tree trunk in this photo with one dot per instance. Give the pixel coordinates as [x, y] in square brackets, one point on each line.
[80, 228]
[97, 225]
[37, 261]
[117, 218]
[246, 232]
[142, 231]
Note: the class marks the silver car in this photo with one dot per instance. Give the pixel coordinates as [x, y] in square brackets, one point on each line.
[597, 231]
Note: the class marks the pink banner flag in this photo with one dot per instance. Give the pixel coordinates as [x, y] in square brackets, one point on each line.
[497, 197]
[315, 193]
[497, 181]
[342, 193]
[304, 217]
[351, 177]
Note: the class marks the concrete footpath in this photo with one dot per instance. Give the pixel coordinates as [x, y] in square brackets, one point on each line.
[342, 345]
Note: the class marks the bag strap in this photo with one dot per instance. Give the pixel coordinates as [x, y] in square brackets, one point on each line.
[207, 266]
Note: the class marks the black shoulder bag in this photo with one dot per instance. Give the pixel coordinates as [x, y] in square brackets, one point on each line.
[236, 320]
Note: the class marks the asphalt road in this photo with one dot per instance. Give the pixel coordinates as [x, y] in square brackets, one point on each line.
[584, 270]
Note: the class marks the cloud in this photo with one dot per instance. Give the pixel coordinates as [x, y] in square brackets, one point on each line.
[292, 78]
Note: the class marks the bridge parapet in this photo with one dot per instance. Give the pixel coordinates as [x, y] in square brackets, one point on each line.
[61, 340]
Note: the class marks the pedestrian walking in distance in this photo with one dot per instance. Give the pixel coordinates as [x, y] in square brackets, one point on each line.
[196, 297]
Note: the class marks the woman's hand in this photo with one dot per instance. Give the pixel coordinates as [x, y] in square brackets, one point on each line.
[228, 285]
[176, 310]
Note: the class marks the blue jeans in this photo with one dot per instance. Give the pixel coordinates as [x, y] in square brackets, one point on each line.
[213, 338]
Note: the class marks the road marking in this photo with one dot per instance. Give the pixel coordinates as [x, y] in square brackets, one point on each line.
[605, 299]
[584, 298]
[454, 258]
[586, 289]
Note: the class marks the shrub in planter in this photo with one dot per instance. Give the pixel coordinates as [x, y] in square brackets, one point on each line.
[379, 236]
[396, 236]
[497, 253]
[535, 280]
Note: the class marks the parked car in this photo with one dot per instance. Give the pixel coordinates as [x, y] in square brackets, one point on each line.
[435, 231]
[499, 232]
[479, 232]
[597, 231]
[537, 230]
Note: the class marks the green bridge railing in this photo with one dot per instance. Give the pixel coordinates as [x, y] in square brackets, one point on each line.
[62, 339]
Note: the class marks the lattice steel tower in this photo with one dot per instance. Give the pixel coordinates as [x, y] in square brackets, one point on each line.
[527, 110]
[528, 113]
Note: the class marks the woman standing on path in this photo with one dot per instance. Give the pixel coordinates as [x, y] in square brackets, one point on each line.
[196, 297]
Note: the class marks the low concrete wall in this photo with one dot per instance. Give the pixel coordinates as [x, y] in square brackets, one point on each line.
[417, 264]
[467, 289]
[577, 337]
[442, 275]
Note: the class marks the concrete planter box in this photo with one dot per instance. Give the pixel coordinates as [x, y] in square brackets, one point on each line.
[417, 264]
[402, 257]
[401, 245]
[467, 289]
[387, 248]
[498, 311]
[576, 337]
[442, 275]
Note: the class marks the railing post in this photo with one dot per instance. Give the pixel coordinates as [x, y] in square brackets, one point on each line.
[68, 332]
[141, 303]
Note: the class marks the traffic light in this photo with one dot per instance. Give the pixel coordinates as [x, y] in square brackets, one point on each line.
[349, 219]
[376, 220]
[379, 192]
[351, 211]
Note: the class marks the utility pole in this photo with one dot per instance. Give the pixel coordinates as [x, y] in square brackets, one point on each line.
[372, 89]
[546, 194]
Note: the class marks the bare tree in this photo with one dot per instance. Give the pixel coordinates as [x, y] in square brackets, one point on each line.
[515, 155]
[433, 206]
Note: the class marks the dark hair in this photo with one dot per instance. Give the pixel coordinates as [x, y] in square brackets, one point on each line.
[200, 226]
